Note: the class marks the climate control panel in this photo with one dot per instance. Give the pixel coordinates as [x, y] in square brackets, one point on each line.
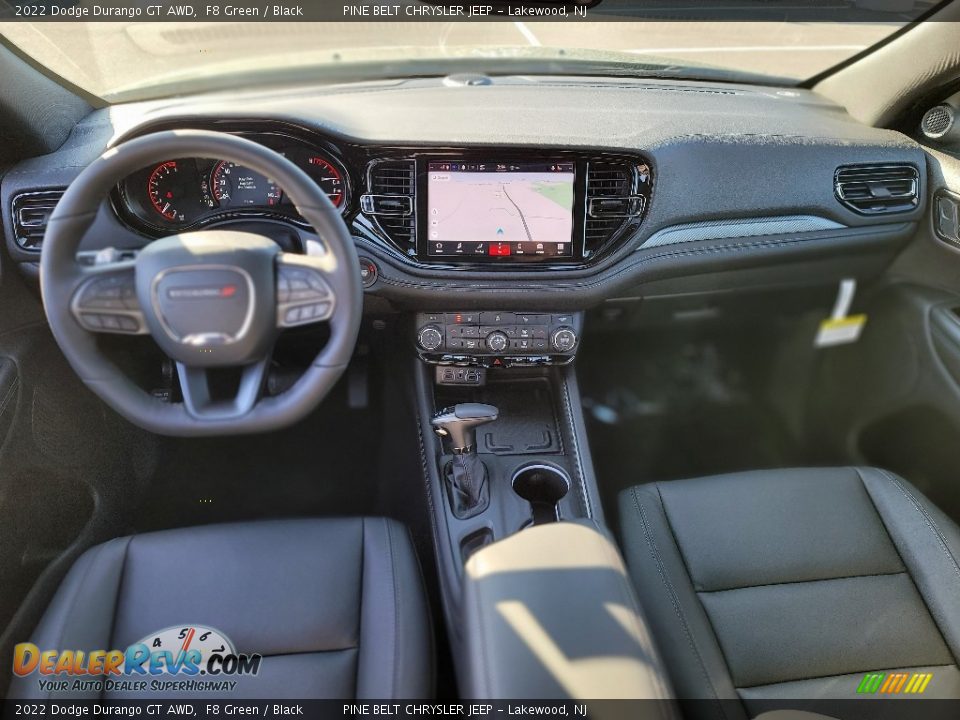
[498, 338]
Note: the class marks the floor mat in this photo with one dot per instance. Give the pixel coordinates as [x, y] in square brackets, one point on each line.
[320, 466]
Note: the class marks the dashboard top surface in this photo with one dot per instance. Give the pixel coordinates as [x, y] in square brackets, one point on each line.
[575, 112]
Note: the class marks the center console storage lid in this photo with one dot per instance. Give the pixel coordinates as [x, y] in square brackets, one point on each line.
[550, 614]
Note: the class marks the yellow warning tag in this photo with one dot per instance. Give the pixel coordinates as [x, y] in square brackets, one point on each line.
[840, 331]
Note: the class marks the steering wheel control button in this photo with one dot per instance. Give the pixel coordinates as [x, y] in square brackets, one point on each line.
[109, 304]
[306, 314]
[430, 338]
[303, 296]
[111, 292]
[91, 321]
[368, 272]
[296, 284]
[564, 340]
[111, 322]
[129, 323]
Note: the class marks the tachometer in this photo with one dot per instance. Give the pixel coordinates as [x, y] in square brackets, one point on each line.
[234, 185]
[167, 188]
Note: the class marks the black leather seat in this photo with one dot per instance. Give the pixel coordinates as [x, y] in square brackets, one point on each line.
[336, 607]
[793, 584]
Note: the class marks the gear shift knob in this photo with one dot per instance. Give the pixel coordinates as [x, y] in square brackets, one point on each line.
[460, 424]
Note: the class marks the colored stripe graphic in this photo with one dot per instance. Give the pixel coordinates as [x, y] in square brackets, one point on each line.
[894, 683]
[870, 683]
[889, 683]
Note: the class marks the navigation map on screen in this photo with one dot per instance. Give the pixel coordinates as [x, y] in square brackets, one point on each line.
[500, 209]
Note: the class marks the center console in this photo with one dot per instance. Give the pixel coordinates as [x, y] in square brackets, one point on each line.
[503, 438]
[515, 506]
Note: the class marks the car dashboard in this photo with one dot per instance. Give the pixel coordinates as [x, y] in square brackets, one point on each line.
[629, 188]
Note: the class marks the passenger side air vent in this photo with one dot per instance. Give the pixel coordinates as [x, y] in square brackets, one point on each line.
[31, 211]
[878, 189]
[392, 199]
[616, 195]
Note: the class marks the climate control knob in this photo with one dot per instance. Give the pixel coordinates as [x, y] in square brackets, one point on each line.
[497, 341]
[430, 337]
[564, 340]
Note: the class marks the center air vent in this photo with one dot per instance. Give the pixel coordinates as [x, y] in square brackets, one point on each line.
[878, 189]
[391, 199]
[616, 195]
[31, 212]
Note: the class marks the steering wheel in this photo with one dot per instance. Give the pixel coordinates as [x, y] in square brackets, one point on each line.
[212, 299]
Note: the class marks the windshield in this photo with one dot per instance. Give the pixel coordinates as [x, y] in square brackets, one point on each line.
[138, 60]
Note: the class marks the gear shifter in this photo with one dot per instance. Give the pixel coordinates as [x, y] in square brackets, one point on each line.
[460, 424]
[466, 474]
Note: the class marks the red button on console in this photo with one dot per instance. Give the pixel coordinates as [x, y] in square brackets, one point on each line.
[499, 250]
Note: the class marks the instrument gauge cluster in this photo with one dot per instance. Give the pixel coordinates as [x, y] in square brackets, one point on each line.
[184, 193]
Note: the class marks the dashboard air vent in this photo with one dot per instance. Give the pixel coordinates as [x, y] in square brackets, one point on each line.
[878, 189]
[392, 186]
[616, 194]
[31, 211]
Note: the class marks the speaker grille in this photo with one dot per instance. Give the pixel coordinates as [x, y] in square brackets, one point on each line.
[937, 121]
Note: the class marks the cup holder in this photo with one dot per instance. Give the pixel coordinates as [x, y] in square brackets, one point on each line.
[543, 487]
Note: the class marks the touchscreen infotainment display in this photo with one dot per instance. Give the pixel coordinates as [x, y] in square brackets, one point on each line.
[486, 210]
